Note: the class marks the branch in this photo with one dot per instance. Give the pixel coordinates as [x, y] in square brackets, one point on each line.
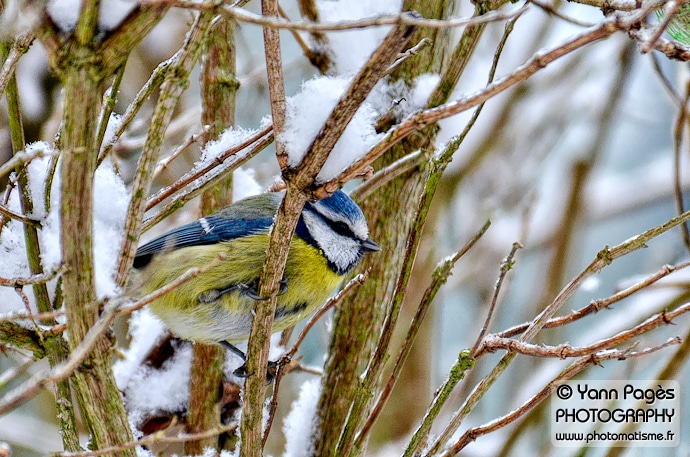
[422, 118]
[173, 86]
[113, 309]
[203, 170]
[572, 370]
[286, 358]
[276, 83]
[603, 258]
[201, 185]
[298, 180]
[403, 18]
[154, 438]
[439, 277]
[506, 266]
[596, 305]
[562, 351]
[20, 46]
[375, 68]
[41, 278]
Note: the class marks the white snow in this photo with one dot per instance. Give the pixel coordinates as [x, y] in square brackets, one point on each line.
[300, 423]
[65, 13]
[352, 48]
[151, 391]
[308, 110]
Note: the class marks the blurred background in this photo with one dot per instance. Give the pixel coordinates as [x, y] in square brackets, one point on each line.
[578, 157]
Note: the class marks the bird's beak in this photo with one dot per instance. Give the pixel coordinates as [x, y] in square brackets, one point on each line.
[368, 245]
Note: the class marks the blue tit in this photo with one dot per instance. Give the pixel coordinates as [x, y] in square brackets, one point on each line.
[217, 306]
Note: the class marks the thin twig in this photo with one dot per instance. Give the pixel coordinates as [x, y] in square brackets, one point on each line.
[387, 174]
[506, 266]
[331, 303]
[596, 305]
[374, 21]
[115, 308]
[5, 211]
[605, 257]
[21, 158]
[553, 11]
[154, 81]
[191, 139]
[20, 46]
[572, 370]
[109, 104]
[154, 438]
[343, 112]
[183, 62]
[421, 118]
[565, 350]
[286, 358]
[678, 135]
[196, 173]
[665, 82]
[671, 8]
[34, 279]
[439, 277]
[207, 182]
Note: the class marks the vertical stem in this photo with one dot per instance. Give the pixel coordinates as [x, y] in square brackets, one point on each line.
[357, 324]
[94, 384]
[276, 85]
[219, 87]
[55, 347]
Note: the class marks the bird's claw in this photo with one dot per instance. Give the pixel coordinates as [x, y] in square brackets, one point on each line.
[271, 372]
[250, 290]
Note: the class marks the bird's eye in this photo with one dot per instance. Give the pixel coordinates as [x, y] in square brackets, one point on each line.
[341, 228]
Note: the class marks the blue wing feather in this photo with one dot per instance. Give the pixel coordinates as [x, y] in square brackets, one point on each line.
[246, 217]
[197, 234]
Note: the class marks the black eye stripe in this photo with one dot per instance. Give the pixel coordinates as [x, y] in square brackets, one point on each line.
[341, 228]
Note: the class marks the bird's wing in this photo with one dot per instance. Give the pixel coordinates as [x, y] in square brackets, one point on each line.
[243, 218]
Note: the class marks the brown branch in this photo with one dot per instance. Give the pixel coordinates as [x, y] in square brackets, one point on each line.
[603, 258]
[422, 118]
[163, 163]
[20, 46]
[562, 351]
[41, 278]
[671, 8]
[8, 213]
[439, 277]
[387, 174]
[113, 309]
[678, 134]
[596, 305]
[173, 86]
[193, 175]
[572, 370]
[309, 26]
[155, 438]
[347, 106]
[550, 9]
[202, 184]
[286, 358]
[506, 266]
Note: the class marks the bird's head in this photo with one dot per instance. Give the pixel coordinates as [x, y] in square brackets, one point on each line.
[337, 226]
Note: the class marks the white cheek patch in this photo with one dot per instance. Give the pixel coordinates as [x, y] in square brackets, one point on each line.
[358, 225]
[342, 251]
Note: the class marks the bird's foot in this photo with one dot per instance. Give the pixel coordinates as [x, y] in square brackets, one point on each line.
[250, 290]
[242, 372]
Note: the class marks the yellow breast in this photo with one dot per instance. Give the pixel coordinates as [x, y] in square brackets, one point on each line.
[309, 283]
